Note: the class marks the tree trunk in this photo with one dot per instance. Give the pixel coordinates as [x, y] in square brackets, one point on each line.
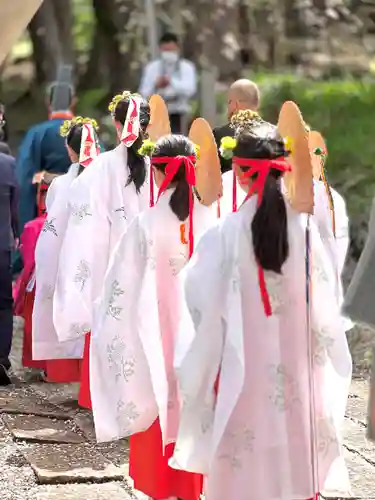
[212, 29]
[47, 50]
[65, 20]
[96, 73]
[117, 22]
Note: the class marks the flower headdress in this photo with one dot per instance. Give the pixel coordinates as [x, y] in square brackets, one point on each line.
[245, 119]
[148, 148]
[132, 126]
[67, 126]
[172, 166]
[89, 148]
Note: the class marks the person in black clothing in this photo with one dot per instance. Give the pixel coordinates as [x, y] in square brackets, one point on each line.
[242, 95]
[9, 236]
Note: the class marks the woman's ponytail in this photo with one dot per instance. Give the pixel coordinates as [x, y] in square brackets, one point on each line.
[270, 228]
[179, 201]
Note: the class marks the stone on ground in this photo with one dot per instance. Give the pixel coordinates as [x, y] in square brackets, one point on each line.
[67, 463]
[41, 429]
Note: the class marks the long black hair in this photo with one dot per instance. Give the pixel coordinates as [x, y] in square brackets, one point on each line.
[171, 146]
[73, 140]
[269, 226]
[136, 162]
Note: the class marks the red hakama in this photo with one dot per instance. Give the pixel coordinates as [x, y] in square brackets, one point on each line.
[84, 397]
[57, 370]
[149, 468]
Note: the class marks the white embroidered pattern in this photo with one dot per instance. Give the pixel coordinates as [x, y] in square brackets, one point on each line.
[327, 436]
[46, 293]
[83, 274]
[236, 445]
[49, 226]
[79, 329]
[322, 346]
[127, 414]
[119, 359]
[178, 263]
[121, 210]
[285, 388]
[80, 212]
[274, 290]
[112, 309]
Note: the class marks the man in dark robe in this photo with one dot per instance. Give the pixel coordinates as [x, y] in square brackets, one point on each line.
[9, 235]
[243, 94]
[43, 148]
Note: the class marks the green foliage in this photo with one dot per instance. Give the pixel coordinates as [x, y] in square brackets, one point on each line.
[83, 28]
[343, 112]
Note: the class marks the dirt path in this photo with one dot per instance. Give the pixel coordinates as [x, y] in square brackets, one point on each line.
[48, 449]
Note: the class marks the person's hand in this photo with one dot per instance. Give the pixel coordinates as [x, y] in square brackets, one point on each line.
[16, 243]
[162, 82]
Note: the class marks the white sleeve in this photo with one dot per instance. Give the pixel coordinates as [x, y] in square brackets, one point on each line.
[148, 80]
[84, 256]
[184, 83]
[342, 229]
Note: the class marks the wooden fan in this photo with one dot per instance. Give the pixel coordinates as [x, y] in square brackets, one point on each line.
[208, 172]
[299, 182]
[159, 125]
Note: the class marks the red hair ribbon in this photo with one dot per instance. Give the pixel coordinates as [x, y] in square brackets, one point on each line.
[172, 166]
[130, 131]
[261, 168]
[88, 150]
[234, 192]
[152, 197]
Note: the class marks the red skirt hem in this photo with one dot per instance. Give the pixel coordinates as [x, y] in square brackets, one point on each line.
[58, 371]
[84, 397]
[149, 468]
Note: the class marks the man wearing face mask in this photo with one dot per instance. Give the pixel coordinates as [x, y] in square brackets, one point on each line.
[174, 79]
[243, 95]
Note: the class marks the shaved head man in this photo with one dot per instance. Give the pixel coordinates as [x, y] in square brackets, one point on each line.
[243, 94]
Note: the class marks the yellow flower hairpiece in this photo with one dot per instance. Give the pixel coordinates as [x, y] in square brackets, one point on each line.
[227, 145]
[288, 144]
[67, 126]
[197, 151]
[244, 118]
[117, 99]
[147, 148]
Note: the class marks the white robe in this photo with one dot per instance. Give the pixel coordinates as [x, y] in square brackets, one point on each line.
[254, 440]
[101, 207]
[132, 340]
[336, 247]
[46, 344]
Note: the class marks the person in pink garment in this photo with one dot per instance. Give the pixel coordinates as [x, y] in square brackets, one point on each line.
[262, 359]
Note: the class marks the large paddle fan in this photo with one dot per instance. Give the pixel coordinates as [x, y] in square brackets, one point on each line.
[300, 192]
[208, 173]
[159, 125]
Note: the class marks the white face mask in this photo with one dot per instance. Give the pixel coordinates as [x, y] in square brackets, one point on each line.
[169, 57]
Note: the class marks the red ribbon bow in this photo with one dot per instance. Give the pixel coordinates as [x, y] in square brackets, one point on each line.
[261, 168]
[172, 166]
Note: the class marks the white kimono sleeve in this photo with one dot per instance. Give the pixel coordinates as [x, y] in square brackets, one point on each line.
[199, 353]
[83, 259]
[126, 358]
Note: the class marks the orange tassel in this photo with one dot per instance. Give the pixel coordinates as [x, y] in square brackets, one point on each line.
[182, 235]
